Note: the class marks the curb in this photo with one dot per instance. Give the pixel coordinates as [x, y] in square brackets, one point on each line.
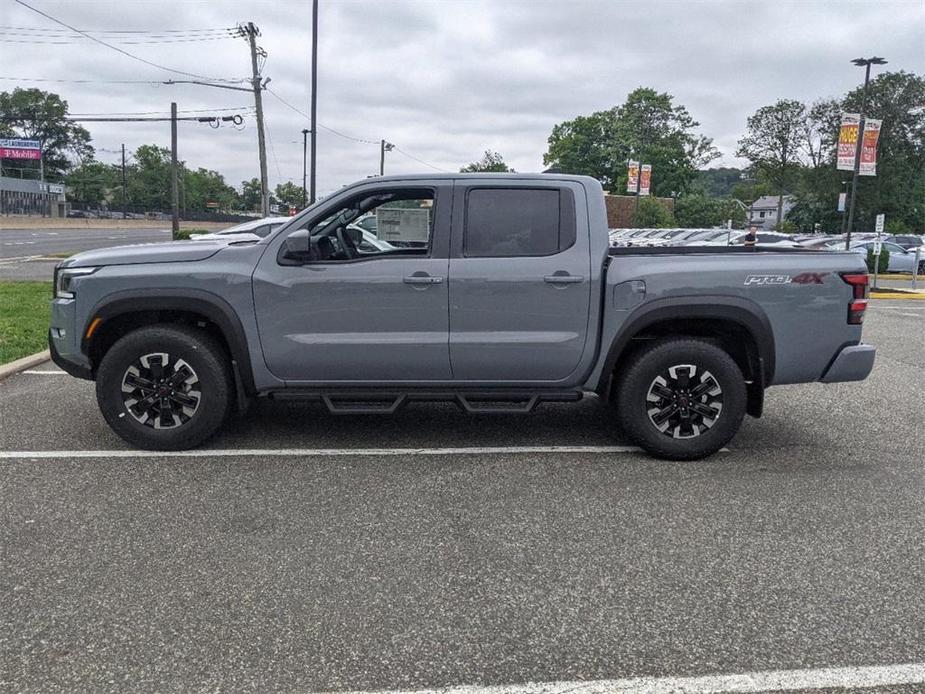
[908, 296]
[14, 367]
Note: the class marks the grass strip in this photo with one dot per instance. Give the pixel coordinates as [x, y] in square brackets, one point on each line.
[25, 311]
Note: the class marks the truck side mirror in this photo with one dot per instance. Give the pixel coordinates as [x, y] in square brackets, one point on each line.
[296, 248]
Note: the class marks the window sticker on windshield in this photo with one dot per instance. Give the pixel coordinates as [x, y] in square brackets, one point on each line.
[399, 224]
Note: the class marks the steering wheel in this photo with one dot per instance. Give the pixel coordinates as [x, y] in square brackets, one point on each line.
[346, 245]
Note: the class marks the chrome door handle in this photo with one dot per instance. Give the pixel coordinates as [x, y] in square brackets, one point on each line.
[422, 279]
[563, 279]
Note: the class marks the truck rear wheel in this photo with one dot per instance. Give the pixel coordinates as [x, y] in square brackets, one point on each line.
[681, 399]
[165, 387]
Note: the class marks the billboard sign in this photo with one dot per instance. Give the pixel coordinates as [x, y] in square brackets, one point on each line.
[632, 176]
[645, 179]
[868, 165]
[11, 148]
[847, 141]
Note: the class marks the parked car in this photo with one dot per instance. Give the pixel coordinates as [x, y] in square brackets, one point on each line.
[515, 299]
[907, 241]
[901, 260]
[261, 228]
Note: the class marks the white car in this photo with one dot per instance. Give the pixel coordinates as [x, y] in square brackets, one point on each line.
[258, 227]
[901, 260]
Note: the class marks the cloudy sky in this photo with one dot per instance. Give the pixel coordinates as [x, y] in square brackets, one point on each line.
[444, 79]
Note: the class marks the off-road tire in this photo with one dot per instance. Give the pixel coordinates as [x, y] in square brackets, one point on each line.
[201, 354]
[638, 377]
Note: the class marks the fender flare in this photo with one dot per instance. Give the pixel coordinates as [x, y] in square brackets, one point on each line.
[211, 306]
[742, 312]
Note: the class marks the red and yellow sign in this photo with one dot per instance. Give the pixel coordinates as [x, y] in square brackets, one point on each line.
[632, 176]
[848, 141]
[868, 165]
[645, 179]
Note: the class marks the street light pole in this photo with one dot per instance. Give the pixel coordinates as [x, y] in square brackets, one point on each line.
[314, 105]
[304, 159]
[383, 148]
[866, 62]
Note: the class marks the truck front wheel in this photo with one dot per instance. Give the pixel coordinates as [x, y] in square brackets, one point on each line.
[681, 399]
[165, 387]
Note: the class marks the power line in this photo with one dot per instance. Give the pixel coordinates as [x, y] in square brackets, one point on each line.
[324, 127]
[420, 161]
[155, 113]
[45, 79]
[77, 41]
[348, 137]
[122, 31]
[115, 48]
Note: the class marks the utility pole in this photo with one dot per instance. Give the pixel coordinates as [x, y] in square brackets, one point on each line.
[314, 104]
[123, 182]
[383, 148]
[174, 190]
[857, 147]
[252, 33]
[304, 159]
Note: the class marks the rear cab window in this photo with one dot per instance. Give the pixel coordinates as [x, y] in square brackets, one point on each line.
[518, 222]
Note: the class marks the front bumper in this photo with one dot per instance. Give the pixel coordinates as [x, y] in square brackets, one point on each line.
[74, 369]
[853, 363]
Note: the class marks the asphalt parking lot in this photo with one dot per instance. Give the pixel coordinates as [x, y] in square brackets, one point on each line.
[547, 551]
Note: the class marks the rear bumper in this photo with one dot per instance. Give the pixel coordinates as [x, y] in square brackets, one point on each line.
[853, 363]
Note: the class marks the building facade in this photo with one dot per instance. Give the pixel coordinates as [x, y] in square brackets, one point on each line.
[763, 212]
[29, 197]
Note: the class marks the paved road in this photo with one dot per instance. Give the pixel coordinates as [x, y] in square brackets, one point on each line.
[21, 248]
[800, 548]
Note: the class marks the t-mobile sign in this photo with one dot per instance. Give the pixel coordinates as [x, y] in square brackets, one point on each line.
[20, 149]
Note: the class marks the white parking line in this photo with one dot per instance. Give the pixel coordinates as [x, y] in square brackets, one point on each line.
[774, 680]
[320, 452]
[36, 372]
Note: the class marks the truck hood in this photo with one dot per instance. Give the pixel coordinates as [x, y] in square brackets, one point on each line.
[172, 252]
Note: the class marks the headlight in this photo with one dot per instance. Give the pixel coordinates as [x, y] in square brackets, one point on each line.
[64, 280]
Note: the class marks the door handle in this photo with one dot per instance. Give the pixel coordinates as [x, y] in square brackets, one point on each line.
[563, 279]
[422, 279]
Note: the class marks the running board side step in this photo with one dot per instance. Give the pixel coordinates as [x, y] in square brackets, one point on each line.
[389, 402]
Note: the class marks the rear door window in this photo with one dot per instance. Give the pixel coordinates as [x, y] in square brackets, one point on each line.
[512, 222]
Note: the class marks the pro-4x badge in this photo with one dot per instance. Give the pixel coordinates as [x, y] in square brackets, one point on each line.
[803, 278]
[762, 280]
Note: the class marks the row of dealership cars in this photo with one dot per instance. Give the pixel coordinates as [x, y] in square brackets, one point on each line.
[902, 247]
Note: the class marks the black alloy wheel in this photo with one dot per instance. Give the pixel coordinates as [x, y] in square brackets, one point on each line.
[684, 402]
[161, 392]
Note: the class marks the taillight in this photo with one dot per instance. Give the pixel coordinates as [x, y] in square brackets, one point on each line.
[858, 304]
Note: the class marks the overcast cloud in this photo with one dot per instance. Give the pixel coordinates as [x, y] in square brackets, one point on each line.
[445, 80]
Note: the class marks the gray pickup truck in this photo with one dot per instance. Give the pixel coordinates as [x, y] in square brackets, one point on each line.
[496, 292]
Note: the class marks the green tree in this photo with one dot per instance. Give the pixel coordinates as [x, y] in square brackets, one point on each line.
[148, 179]
[653, 214]
[290, 194]
[203, 186]
[717, 182]
[701, 211]
[491, 162]
[774, 141]
[898, 189]
[647, 127]
[94, 183]
[250, 194]
[36, 115]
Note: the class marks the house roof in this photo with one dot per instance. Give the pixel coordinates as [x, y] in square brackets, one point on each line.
[768, 202]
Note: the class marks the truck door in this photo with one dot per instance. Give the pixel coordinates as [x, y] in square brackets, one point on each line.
[363, 306]
[520, 268]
